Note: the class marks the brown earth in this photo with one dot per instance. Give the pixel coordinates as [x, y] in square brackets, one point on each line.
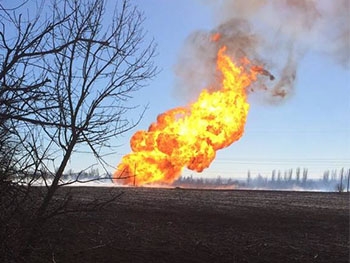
[183, 225]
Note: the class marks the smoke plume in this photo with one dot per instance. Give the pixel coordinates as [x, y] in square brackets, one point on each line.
[272, 34]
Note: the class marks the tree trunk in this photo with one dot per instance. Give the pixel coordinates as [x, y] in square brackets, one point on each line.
[40, 218]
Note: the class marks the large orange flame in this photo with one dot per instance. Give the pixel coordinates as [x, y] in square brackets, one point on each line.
[190, 136]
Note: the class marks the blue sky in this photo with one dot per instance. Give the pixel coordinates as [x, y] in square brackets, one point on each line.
[310, 130]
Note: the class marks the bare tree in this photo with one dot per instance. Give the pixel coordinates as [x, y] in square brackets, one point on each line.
[66, 75]
[340, 187]
[305, 172]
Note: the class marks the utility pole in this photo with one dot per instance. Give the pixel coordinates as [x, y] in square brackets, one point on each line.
[135, 175]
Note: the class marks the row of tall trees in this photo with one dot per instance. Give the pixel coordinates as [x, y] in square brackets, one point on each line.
[287, 180]
[67, 71]
[278, 177]
[336, 182]
[330, 180]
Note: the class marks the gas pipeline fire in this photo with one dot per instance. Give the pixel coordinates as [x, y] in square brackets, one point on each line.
[190, 136]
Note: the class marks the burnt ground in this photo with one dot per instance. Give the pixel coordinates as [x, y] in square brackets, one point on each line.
[182, 225]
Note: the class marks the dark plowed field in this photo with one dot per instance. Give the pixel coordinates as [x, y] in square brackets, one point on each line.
[178, 225]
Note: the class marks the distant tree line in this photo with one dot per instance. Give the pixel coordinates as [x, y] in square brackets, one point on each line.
[200, 182]
[278, 180]
[69, 177]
